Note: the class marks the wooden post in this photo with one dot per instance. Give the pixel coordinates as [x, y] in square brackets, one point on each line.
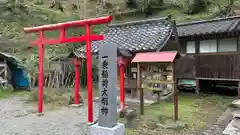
[121, 64]
[77, 63]
[5, 73]
[197, 87]
[40, 72]
[239, 89]
[122, 90]
[175, 92]
[89, 73]
[176, 35]
[139, 78]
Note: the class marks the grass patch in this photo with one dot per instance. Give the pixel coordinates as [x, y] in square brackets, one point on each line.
[194, 113]
[193, 110]
[57, 98]
[6, 93]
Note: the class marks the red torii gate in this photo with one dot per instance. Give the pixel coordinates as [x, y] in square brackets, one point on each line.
[42, 41]
[122, 63]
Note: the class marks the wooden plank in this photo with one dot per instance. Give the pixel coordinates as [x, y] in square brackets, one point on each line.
[139, 77]
[176, 36]
[218, 79]
[197, 86]
[3, 65]
[2, 71]
[156, 89]
[239, 90]
[5, 73]
[130, 83]
[185, 67]
[157, 81]
[218, 66]
[3, 80]
[175, 93]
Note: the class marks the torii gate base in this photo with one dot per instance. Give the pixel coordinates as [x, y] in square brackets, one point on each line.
[42, 41]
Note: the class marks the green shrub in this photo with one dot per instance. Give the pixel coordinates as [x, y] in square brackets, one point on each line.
[194, 6]
[4, 93]
[51, 96]
[38, 2]
[189, 6]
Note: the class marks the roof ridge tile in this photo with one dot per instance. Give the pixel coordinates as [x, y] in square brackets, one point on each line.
[146, 21]
[208, 21]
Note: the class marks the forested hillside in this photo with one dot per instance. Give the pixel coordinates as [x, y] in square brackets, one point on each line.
[16, 14]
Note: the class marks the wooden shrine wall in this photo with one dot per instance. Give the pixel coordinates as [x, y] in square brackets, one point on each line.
[157, 77]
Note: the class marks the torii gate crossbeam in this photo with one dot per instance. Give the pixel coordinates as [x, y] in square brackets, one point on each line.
[88, 37]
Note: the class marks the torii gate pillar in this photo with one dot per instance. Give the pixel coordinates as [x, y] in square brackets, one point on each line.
[88, 37]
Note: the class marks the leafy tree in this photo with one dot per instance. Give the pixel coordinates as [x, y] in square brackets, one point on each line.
[194, 6]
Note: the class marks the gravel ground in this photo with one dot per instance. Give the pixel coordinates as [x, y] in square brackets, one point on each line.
[17, 118]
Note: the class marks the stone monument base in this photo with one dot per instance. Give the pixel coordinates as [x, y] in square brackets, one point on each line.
[75, 105]
[39, 114]
[119, 129]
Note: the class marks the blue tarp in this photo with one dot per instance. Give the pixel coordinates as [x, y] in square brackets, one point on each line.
[19, 77]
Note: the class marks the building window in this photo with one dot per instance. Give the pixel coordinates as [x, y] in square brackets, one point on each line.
[190, 47]
[207, 46]
[227, 45]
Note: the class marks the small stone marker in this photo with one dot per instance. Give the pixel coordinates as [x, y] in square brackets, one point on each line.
[107, 123]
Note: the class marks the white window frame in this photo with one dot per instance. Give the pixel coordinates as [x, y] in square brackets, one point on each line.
[208, 46]
[191, 47]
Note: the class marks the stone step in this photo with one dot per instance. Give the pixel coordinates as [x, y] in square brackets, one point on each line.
[236, 114]
[236, 103]
[233, 128]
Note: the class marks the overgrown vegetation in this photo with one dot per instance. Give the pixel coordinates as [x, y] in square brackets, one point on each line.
[4, 93]
[57, 98]
[194, 113]
[7, 92]
[16, 14]
[51, 96]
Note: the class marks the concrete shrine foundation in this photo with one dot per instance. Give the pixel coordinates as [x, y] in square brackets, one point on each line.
[119, 129]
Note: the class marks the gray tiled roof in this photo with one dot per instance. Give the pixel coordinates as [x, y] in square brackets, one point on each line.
[80, 52]
[136, 36]
[221, 25]
[153, 33]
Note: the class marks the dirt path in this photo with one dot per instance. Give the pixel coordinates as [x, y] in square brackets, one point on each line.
[18, 118]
